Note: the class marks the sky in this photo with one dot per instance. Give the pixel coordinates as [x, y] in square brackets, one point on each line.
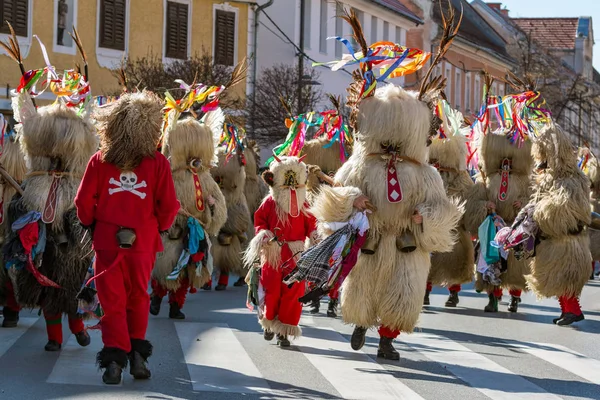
[559, 8]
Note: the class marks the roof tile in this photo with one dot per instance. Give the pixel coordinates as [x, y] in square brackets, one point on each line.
[550, 33]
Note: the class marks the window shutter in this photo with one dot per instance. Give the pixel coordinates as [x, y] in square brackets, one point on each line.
[16, 12]
[112, 24]
[224, 37]
[177, 30]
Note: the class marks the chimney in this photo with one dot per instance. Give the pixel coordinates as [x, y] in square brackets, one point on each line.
[498, 8]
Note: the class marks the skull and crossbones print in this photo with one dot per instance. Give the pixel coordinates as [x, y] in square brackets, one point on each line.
[127, 183]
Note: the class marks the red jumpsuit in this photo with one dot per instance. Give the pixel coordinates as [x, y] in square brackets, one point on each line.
[145, 201]
[280, 301]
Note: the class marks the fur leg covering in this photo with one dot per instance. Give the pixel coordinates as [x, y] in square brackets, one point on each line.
[334, 204]
[260, 249]
[561, 266]
[386, 288]
[110, 354]
[143, 347]
[278, 327]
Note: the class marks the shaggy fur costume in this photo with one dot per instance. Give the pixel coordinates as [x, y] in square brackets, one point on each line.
[327, 159]
[54, 132]
[455, 267]
[139, 129]
[13, 161]
[561, 266]
[593, 173]
[231, 178]
[388, 287]
[492, 150]
[188, 140]
[255, 188]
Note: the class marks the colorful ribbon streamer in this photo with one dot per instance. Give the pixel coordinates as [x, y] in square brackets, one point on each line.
[232, 138]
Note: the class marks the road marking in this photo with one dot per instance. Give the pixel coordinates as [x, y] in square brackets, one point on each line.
[76, 365]
[352, 373]
[491, 379]
[565, 358]
[9, 336]
[217, 361]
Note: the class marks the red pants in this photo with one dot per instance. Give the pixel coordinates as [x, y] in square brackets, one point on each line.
[175, 296]
[512, 292]
[122, 291]
[384, 331]
[453, 288]
[11, 300]
[570, 305]
[54, 326]
[281, 301]
[223, 279]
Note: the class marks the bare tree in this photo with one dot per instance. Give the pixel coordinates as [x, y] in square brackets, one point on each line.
[151, 73]
[275, 83]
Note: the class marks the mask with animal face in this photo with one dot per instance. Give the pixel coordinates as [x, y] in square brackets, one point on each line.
[286, 178]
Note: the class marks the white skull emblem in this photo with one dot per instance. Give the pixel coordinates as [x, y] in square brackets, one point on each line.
[128, 180]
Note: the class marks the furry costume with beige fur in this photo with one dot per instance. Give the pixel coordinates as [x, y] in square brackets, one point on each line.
[57, 144]
[561, 265]
[327, 159]
[191, 140]
[387, 287]
[592, 170]
[493, 150]
[449, 156]
[282, 224]
[255, 188]
[230, 175]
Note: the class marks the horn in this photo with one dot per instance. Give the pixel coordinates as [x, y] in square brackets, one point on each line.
[13, 50]
[302, 158]
[276, 158]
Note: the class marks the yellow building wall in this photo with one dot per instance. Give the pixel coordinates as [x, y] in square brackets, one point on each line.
[145, 36]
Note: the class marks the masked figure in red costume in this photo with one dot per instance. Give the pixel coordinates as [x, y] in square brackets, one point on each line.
[282, 224]
[127, 195]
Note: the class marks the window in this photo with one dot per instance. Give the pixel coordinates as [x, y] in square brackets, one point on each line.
[323, 27]
[112, 24]
[477, 97]
[398, 35]
[339, 29]
[373, 29]
[468, 92]
[176, 35]
[306, 22]
[17, 13]
[447, 70]
[386, 31]
[224, 43]
[457, 90]
[501, 90]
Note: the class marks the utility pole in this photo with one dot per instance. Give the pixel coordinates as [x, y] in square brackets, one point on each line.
[301, 57]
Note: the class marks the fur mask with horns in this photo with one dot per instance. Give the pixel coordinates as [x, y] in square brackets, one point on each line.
[286, 178]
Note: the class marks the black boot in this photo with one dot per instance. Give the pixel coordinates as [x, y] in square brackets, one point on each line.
[555, 320]
[569, 318]
[452, 300]
[175, 311]
[240, 282]
[386, 349]
[513, 306]
[52, 345]
[357, 341]
[155, 304]
[83, 338]
[207, 286]
[492, 306]
[220, 287]
[315, 304]
[332, 308]
[141, 350]
[426, 298]
[283, 341]
[268, 335]
[113, 361]
[11, 318]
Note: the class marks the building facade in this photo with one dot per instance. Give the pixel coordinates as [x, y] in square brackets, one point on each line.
[112, 30]
[279, 34]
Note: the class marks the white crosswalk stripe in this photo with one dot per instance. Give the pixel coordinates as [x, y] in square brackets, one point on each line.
[216, 360]
[76, 365]
[565, 358]
[478, 371]
[8, 336]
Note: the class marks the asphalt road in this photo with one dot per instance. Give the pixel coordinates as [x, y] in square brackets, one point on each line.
[218, 353]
